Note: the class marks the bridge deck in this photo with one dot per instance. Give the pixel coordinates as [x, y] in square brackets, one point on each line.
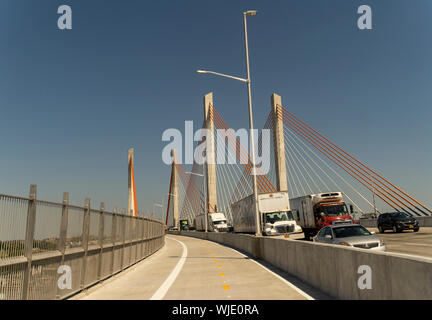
[408, 242]
[209, 271]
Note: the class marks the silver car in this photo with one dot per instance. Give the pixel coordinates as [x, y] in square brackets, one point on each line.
[350, 235]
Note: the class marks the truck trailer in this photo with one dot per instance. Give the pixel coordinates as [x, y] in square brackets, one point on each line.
[275, 215]
[217, 222]
[314, 211]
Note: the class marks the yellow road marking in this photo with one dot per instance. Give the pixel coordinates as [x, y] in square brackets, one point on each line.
[219, 266]
[226, 287]
[222, 274]
[216, 260]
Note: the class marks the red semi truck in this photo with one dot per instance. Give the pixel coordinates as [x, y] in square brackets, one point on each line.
[314, 211]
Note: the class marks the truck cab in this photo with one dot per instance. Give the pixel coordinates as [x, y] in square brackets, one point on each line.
[279, 222]
[315, 211]
[218, 222]
[327, 214]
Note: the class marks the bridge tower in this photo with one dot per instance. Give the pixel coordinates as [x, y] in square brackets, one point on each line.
[132, 203]
[210, 171]
[279, 144]
[174, 190]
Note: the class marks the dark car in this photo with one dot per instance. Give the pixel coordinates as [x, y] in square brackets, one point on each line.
[397, 221]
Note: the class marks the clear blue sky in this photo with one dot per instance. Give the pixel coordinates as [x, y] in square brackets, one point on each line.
[73, 102]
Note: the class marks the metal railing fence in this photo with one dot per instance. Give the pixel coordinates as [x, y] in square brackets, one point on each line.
[52, 250]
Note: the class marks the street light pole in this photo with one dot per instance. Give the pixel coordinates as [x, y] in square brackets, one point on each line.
[251, 126]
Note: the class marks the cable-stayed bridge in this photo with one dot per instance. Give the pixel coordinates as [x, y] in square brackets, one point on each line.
[59, 250]
[300, 160]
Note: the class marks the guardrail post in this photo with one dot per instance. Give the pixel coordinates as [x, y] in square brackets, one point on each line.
[101, 236]
[123, 237]
[113, 236]
[85, 235]
[161, 235]
[28, 244]
[146, 236]
[142, 238]
[136, 228]
[63, 232]
[151, 236]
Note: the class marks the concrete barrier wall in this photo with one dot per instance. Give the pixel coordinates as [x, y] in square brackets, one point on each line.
[372, 223]
[335, 269]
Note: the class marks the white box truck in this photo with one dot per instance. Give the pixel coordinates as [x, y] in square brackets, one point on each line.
[275, 215]
[217, 222]
[314, 211]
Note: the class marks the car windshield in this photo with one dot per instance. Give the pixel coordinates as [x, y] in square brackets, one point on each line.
[219, 222]
[350, 231]
[334, 210]
[278, 216]
[402, 215]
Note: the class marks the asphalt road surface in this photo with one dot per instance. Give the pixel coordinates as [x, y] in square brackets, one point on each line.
[194, 269]
[408, 242]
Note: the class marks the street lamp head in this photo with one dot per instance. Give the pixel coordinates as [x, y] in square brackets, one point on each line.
[201, 71]
[196, 174]
[250, 13]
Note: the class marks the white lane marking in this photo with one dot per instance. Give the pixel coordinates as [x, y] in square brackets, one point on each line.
[163, 289]
[308, 297]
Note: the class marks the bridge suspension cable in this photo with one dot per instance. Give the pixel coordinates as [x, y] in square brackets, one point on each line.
[307, 171]
[365, 176]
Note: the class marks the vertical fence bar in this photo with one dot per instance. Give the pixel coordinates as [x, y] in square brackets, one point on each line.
[101, 236]
[85, 235]
[113, 236]
[142, 238]
[123, 236]
[147, 236]
[28, 245]
[63, 232]
[135, 226]
[136, 238]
